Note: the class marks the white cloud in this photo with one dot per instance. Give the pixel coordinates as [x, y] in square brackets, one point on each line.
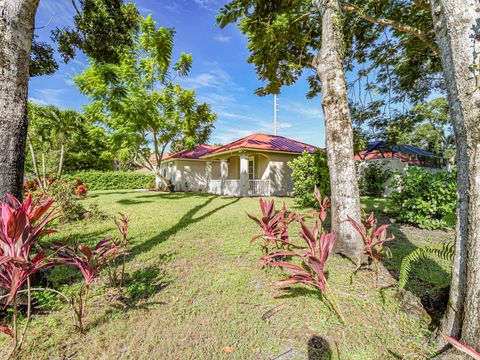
[48, 96]
[38, 101]
[311, 111]
[222, 38]
[69, 82]
[211, 5]
[216, 78]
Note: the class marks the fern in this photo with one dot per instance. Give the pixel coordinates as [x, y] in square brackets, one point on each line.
[444, 251]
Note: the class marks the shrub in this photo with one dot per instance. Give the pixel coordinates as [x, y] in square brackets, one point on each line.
[112, 180]
[81, 191]
[21, 226]
[310, 171]
[66, 198]
[373, 180]
[424, 199]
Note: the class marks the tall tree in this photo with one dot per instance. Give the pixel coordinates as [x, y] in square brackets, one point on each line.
[338, 126]
[458, 33]
[102, 30]
[141, 103]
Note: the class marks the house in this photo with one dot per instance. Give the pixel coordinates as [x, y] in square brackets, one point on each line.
[397, 157]
[394, 156]
[256, 165]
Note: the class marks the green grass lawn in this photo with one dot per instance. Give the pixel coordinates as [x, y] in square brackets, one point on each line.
[196, 291]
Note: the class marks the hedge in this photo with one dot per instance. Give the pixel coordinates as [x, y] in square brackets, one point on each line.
[111, 180]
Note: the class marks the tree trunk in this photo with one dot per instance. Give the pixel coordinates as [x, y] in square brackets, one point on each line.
[44, 172]
[35, 165]
[339, 134]
[60, 161]
[17, 20]
[458, 35]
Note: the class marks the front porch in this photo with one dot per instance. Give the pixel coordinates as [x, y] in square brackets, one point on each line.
[240, 175]
[234, 187]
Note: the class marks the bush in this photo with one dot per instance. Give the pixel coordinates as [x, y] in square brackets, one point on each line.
[373, 180]
[424, 199]
[310, 170]
[66, 198]
[111, 180]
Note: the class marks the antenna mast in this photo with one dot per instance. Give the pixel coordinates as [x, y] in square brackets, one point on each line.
[275, 114]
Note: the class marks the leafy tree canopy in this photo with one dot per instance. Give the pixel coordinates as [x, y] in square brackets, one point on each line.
[141, 103]
[102, 28]
[391, 40]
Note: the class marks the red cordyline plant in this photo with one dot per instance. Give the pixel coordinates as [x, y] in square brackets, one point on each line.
[90, 261]
[324, 204]
[462, 347]
[122, 226]
[373, 239]
[274, 225]
[319, 246]
[21, 225]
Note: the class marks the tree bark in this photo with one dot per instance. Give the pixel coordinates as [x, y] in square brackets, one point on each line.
[457, 29]
[17, 21]
[339, 134]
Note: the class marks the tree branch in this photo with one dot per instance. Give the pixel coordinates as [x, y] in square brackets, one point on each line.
[423, 4]
[395, 24]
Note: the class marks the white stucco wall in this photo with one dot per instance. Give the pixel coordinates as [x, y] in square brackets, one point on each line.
[280, 174]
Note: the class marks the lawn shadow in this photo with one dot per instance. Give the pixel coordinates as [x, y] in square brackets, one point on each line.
[187, 219]
[430, 293]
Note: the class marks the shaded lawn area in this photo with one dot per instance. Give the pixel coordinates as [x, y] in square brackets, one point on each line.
[196, 291]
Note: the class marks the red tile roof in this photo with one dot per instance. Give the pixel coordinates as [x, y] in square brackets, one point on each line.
[192, 153]
[376, 155]
[266, 142]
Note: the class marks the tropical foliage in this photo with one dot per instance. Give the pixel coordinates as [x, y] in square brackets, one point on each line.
[310, 171]
[319, 245]
[442, 250]
[373, 179]
[21, 226]
[424, 199]
[111, 180]
[142, 103]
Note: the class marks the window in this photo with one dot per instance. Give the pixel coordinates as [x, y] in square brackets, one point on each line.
[251, 168]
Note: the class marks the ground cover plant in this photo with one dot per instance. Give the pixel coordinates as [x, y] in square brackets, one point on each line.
[191, 293]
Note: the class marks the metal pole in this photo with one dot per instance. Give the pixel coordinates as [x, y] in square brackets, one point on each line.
[275, 114]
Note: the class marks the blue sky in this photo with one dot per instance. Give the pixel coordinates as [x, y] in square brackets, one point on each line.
[220, 73]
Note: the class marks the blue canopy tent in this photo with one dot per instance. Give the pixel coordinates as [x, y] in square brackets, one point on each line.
[426, 158]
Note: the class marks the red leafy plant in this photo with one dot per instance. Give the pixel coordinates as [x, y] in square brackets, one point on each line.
[117, 277]
[462, 347]
[319, 246]
[21, 225]
[324, 204]
[90, 261]
[314, 255]
[81, 191]
[274, 226]
[373, 239]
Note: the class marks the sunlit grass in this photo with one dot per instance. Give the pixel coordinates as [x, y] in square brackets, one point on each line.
[209, 293]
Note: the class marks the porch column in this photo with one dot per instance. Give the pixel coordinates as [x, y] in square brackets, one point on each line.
[243, 174]
[208, 175]
[223, 175]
